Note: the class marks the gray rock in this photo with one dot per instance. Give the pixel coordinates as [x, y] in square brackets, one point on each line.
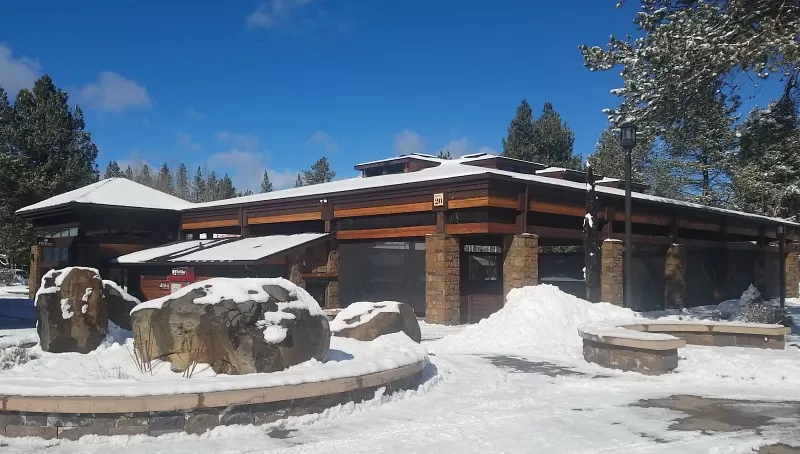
[71, 317]
[383, 323]
[227, 334]
[119, 304]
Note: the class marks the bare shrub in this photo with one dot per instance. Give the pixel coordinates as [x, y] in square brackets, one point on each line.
[15, 356]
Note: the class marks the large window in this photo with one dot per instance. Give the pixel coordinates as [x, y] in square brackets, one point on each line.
[381, 271]
[55, 254]
[58, 233]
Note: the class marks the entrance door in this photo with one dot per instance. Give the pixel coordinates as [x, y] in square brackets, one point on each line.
[481, 277]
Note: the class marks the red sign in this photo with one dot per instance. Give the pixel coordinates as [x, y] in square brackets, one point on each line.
[182, 274]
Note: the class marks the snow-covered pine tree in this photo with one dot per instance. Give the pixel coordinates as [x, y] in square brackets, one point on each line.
[766, 177]
[553, 140]
[129, 173]
[113, 170]
[164, 181]
[198, 187]
[320, 172]
[688, 68]
[299, 181]
[608, 159]
[182, 183]
[518, 142]
[266, 185]
[444, 154]
[591, 244]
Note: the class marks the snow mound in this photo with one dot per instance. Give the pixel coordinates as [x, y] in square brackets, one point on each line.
[539, 321]
[363, 309]
[220, 289]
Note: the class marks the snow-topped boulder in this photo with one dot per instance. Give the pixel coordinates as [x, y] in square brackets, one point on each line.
[238, 326]
[366, 321]
[71, 312]
[119, 304]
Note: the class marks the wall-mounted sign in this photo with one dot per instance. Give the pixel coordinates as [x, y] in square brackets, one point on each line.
[163, 285]
[182, 274]
[45, 242]
[179, 271]
[438, 199]
[483, 248]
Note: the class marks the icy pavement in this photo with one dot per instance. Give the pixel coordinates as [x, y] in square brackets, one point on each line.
[508, 391]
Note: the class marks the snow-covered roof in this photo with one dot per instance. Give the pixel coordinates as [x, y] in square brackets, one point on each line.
[121, 192]
[166, 251]
[248, 249]
[113, 192]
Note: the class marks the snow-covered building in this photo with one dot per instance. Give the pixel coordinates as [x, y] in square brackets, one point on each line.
[448, 237]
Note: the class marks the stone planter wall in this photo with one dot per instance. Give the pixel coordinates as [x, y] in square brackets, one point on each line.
[17, 422]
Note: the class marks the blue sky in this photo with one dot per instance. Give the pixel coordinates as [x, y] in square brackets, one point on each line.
[247, 85]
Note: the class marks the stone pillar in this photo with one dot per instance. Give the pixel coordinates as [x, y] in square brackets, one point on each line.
[442, 280]
[611, 276]
[792, 272]
[35, 274]
[332, 290]
[296, 271]
[675, 277]
[521, 261]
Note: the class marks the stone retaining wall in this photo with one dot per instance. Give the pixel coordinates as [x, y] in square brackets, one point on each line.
[72, 426]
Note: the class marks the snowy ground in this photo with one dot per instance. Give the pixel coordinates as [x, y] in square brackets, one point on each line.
[517, 383]
[13, 292]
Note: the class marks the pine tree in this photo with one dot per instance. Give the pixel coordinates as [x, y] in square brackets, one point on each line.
[44, 151]
[608, 159]
[320, 172]
[244, 193]
[164, 181]
[444, 154]
[225, 188]
[182, 183]
[299, 181]
[144, 175]
[113, 170]
[553, 140]
[198, 187]
[212, 187]
[266, 185]
[129, 173]
[518, 142]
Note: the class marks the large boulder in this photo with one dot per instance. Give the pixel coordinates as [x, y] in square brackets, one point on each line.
[71, 311]
[367, 321]
[119, 304]
[238, 326]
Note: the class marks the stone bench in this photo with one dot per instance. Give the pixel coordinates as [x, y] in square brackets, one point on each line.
[651, 347]
[624, 349]
[719, 334]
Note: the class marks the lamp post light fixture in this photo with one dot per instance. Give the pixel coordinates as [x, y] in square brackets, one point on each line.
[627, 139]
[781, 234]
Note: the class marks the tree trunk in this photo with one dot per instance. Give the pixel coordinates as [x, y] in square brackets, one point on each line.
[591, 247]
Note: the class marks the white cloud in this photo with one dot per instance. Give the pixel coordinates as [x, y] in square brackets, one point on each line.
[464, 146]
[184, 140]
[245, 141]
[274, 13]
[16, 73]
[408, 142]
[246, 169]
[325, 140]
[193, 114]
[112, 92]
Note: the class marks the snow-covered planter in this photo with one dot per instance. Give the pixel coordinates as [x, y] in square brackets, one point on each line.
[238, 326]
[366, 321]
[71, 310]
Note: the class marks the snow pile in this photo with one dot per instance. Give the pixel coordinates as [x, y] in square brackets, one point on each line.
[361, 312]
[539, 320]
[221, 289]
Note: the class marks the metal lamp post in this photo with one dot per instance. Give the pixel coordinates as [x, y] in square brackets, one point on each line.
[627, 139]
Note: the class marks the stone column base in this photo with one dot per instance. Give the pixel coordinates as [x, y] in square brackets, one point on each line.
[442, 280]
[611, 272]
